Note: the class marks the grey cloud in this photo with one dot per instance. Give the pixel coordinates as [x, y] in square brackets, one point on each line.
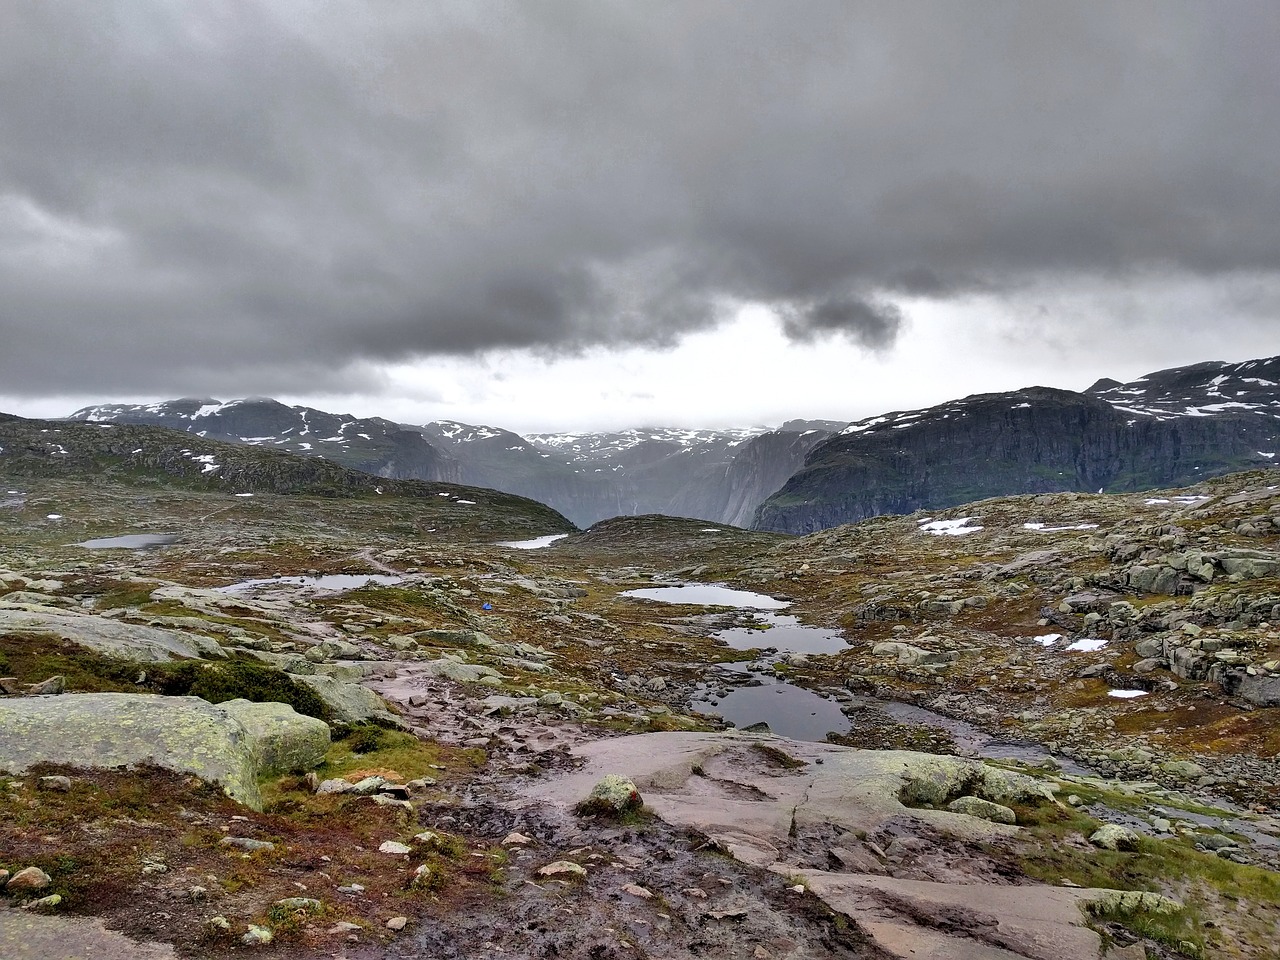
[869, 324]
[213, 197]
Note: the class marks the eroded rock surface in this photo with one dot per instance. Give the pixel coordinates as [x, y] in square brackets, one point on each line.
[230, 744]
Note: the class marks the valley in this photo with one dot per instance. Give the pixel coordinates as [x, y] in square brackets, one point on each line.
[1169, 428]
[1115, 657]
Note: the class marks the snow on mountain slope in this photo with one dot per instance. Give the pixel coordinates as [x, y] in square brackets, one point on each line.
[372, 445]
[1200, 390]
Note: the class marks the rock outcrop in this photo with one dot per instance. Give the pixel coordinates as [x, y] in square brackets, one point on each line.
[231, 744]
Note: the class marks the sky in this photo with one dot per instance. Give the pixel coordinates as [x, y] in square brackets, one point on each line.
[545, 214]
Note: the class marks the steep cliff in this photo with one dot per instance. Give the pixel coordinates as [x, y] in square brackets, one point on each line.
[1188, 426]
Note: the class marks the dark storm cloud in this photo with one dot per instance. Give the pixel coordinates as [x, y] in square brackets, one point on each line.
[871, 325]
[235, 196]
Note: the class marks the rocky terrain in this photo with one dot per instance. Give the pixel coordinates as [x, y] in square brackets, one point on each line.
[1166, 429]
[374, 719]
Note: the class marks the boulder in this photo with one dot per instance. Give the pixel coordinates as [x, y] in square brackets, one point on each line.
[1250, 564]
[983, 810]
[461, 672]
[279, 741]
[1112, 836]
[912, 656]
[30, 880]
[612, 796]
[334, 650]
[1261, 691]
[349, 702]
[230, 744]
[1183, 769]
[111, 637]
[1128, 902]
[1149, 647]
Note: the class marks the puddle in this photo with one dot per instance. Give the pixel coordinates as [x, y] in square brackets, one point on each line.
[537, 543]
[971, 741]
[709, 595]
[333, 581]
[131, 541]
[790, 711]
[785, 633]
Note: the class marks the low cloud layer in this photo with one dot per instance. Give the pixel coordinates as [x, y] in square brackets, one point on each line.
[248, 197]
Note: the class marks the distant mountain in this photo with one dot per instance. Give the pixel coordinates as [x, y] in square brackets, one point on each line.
[715, 475]
[148, 456]
[718, 475]
[373, 445]
[1168, 428]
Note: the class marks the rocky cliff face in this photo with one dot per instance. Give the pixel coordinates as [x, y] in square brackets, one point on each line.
[704, 474]
[1167, 429]
[764, 465]
[370, 445]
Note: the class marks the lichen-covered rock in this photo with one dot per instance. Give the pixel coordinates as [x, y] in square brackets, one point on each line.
[612, 796]
[983, 810]
[131, 641]
[334, 650]
[930, 780]
[1183, 769]
[1112, 836]
[1127, 902]
[349, 702]
[462, 672]
[230, 744]
[282, 741]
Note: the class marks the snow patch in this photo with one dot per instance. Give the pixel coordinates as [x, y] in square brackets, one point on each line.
[1087, 644]
[950, 528]
[1045, 528]
[537, 543]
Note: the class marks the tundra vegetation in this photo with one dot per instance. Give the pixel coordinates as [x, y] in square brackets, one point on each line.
[438, 779]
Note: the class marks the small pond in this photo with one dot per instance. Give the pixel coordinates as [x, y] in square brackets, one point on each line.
[709, 595]
[971, 740]
[333, 581]
[784, 633]
[131, 541]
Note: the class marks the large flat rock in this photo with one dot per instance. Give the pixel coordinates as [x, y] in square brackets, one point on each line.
[230, 744]
[728, 786]
[131, 641]
[743, 792]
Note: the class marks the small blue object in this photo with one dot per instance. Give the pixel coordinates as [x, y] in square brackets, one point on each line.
[487, 606]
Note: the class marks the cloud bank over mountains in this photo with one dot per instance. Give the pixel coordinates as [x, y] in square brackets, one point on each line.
[250, 197]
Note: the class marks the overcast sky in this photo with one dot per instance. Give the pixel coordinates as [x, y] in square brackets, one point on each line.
[546, 214]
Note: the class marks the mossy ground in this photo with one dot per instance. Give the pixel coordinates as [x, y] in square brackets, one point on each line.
[98, 841]
[1230, 909]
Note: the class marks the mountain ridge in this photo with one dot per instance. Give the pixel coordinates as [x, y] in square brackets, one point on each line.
[1168, 428]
